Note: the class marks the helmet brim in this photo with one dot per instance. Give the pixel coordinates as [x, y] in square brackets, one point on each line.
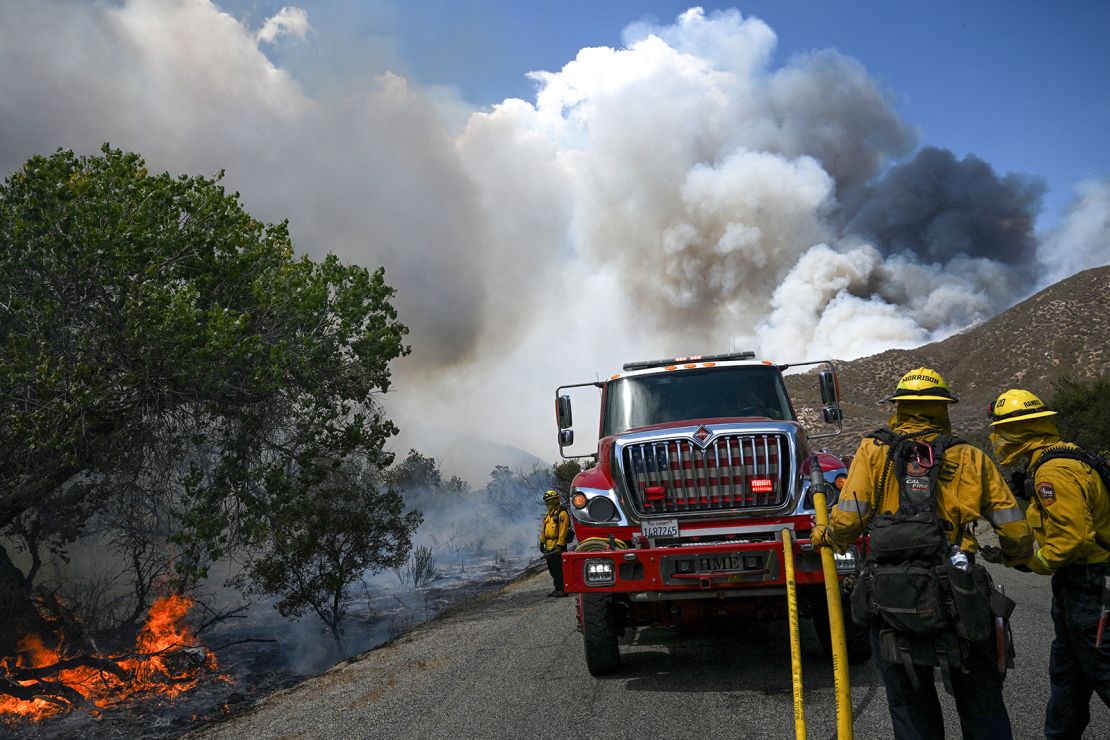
[919, 397]
[1023, 417]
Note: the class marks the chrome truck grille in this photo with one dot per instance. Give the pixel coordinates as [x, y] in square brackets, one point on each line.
[731, 472]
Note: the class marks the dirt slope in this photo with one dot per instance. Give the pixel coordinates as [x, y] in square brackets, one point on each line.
[1064, 329]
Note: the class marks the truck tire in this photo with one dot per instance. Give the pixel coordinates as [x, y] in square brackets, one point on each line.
[599, 634]
[858, 638]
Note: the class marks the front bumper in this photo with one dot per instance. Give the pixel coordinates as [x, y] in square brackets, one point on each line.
[694, 568]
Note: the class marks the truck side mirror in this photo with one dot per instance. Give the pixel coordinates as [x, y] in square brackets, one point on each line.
[563, 415]
[829, 392]
[566, 437]
[830, 397]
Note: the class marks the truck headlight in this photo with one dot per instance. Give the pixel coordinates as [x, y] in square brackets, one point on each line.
[846, 563]
[601, 509]
[599, 572]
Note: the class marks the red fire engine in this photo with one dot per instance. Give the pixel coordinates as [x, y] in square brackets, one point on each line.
[701, 463]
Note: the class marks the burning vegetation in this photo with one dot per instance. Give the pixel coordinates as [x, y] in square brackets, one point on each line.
[166, 659]
[179, 393]
[176, 387]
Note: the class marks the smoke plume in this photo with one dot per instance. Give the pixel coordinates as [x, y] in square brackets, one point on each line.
[937, 208]
[1083, 239]
[677, 194]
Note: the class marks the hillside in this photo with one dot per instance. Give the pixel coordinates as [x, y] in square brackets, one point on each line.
[1064, 329]
[472, 458]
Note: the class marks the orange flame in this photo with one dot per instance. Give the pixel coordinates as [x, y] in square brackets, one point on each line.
[157, 667]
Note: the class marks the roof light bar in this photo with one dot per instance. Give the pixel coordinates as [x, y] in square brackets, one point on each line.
[692, 358]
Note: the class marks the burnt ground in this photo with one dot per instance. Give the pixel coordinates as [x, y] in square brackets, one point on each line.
[512, 665]
[252, 671]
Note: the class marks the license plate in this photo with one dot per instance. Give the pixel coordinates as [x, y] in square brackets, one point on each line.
[659, 528]
[719, 563]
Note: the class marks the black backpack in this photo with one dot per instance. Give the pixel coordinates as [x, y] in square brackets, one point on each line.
[928, 611]
[562, 512]
[569, 544]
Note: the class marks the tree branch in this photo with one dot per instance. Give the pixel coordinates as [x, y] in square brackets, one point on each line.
[55, 693]
[107, 665]
[240, 642]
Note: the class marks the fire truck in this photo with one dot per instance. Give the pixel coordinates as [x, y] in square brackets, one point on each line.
[701, 463]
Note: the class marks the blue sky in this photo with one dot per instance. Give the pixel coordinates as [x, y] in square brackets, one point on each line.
[721, 183]
[1023, 84]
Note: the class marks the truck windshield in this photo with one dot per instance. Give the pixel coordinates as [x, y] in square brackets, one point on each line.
[704, 393]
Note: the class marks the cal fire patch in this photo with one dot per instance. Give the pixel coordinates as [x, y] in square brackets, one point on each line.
[1047, 493]
[917, 484]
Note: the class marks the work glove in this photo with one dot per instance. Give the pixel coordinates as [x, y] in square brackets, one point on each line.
[992, 554]
[1038, 566]
[1034, 564]
[819, 536]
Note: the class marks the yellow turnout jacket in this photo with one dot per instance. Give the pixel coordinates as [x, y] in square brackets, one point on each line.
[556, 527]
[970, 485]
[1069, 513]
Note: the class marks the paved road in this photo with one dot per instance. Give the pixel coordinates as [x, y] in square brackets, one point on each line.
[511, 665]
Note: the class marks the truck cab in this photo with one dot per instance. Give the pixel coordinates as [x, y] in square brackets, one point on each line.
[701, 463]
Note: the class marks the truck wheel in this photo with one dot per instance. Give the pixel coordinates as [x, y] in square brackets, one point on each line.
[857, 637]
[599, 634]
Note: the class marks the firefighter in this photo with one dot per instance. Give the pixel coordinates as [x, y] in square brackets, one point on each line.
[1070, 515]
[969, 485]
[553, 539]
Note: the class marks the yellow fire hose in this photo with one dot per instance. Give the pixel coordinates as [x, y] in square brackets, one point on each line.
[836, 612]
[795, 639]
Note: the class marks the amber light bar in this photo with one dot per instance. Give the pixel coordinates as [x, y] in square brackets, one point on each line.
[692, 358]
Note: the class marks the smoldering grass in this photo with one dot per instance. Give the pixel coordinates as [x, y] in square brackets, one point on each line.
[420, 569]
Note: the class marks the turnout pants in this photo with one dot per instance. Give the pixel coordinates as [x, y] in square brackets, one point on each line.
[1076, 667]
[555, 566]
[916, 714]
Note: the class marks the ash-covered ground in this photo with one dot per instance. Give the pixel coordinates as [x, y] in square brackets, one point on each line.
[271, 653]
[470, 542]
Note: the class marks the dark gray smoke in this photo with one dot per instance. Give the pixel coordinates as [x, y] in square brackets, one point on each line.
[677, 194]
[937, 207]
[827, 106]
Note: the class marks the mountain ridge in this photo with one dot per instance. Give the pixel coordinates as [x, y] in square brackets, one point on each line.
[1063, 329]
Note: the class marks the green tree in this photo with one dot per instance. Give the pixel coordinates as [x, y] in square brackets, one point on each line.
[327, 535]
[564, 473]
[1083, 410]
[153, 334]
[516, 493]
[414, 472]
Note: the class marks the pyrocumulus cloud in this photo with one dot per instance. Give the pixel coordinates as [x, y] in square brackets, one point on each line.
[677, 194]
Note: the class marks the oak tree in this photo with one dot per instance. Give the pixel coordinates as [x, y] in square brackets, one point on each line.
[155, 338]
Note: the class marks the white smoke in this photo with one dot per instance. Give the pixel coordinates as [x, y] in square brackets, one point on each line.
[289, 21]
[678, 194]
[1083, 238]
[824, 302]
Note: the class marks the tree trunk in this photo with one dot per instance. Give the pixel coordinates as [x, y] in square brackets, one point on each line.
[337, 638]
[18, 615]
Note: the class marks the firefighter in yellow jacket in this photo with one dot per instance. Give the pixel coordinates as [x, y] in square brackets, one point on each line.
[553, 539]
[975, 486]
[969, 486]
[1070, 514]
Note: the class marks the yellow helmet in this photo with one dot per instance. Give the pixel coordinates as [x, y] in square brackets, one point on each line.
[1017, 405]
[922, 384]
[550, 496]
